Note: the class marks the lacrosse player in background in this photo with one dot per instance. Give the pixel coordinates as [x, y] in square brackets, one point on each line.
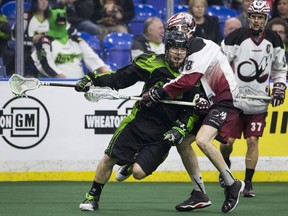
[60, 55]
[205, 63]
[257, 55]
[145, 137]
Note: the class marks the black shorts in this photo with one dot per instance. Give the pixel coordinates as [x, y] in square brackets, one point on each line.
[131, 145]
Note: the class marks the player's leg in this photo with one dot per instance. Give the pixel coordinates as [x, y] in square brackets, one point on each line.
[217, 124]
[123, 172]
[226, 150]
[148, 158]
[103, 173]
[252, 130]
[250, 162]
[198, 197]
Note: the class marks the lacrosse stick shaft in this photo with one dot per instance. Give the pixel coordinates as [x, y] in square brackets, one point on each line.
[57, 84]
[184, 103]
[256, 97]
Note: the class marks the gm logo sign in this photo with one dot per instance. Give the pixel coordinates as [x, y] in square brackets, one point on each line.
[24, 122]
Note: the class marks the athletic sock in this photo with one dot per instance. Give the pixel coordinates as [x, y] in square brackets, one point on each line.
[227, 176]
[228, 162]
[96, 189]
[198, 183]
[249, 174]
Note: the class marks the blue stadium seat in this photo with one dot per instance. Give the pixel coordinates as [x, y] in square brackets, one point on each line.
[142, 12]
[2, 69]
[9, 10]
[222, 13]
[117, 48]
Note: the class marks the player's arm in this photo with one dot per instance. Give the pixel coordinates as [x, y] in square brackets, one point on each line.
[172, 89]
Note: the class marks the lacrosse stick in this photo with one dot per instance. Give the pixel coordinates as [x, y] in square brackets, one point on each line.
[255, 97]
[98, 93]
[20, 85]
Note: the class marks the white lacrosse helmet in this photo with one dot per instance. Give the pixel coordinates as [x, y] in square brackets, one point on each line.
[259, 7]
[182, 21]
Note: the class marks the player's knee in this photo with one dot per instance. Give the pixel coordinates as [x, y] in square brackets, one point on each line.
[138, 173]
[202, 143]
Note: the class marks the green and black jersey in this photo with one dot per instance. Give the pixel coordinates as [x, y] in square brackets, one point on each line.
[154, 71]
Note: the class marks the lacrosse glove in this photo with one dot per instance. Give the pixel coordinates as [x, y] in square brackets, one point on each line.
[83, 85]
[278, 94]
[175, 135]
[202, 104]
[152, 97]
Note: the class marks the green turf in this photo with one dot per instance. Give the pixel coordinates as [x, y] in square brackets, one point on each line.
[149, 199]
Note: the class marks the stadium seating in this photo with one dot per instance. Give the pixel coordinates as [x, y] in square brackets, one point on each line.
[9, 10]
[142, 12]
[2, 69]
[94, 43]
[177, 9]
[117, 47]
[222, 13]
[180, 8]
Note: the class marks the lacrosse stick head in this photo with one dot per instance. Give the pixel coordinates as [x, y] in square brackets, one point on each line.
[98, 93]
[20, 85]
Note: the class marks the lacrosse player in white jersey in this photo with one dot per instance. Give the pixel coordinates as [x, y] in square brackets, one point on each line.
[207, 63]
[257, 55]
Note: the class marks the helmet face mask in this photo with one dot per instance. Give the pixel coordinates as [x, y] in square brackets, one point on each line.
[258, 15]
[176, 49]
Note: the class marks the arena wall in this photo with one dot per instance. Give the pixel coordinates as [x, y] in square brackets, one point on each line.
[56, 134]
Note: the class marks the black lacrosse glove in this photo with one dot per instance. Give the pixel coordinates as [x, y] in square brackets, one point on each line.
[175, 135]
[278, 94]
[202, 104]
[83, 85]
[152, 97]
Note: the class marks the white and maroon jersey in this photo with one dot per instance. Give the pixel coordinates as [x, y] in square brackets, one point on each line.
[254, 64]
[206, 62]
[52, 57]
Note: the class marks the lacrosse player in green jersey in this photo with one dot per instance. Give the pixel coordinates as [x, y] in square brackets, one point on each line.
[145, 137]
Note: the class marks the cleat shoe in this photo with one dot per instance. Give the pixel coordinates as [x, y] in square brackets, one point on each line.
[232, 194]
[197, 200]
[90, 203]
[221, 181]
[248, 190]
[124, 172]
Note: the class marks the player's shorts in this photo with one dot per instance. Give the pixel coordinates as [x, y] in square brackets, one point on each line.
[132, 146]
[222, 117]
[250, 125]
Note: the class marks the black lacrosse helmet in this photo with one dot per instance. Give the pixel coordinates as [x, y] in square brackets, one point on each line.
[176, 39]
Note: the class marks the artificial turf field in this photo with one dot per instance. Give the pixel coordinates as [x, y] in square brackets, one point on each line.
[125, 199]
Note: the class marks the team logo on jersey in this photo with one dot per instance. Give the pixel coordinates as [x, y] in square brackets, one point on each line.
[258, 71]
[63, 58]
[24, 122]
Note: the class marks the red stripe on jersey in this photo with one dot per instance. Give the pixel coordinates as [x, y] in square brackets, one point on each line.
[181, 84]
